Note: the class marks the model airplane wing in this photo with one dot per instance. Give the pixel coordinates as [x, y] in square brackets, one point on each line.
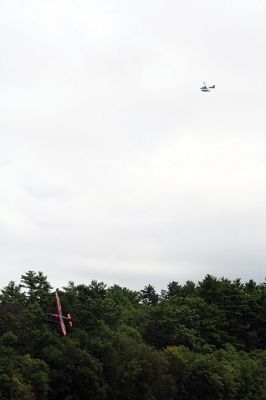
[204, 88]
[59, 317]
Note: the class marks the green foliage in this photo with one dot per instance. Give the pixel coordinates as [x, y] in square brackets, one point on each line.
[195, 341]
[148, 296]
[37, 287]
[11, 294]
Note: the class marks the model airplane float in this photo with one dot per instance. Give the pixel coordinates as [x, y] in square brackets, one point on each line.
[206, 88]
[59, 318]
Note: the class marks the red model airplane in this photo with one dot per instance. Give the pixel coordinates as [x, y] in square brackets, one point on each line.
[60, 317]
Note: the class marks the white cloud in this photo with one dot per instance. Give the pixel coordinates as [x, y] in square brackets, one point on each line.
[113, 165]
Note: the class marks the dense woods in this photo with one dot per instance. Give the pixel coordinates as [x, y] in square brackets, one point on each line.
[189, 342]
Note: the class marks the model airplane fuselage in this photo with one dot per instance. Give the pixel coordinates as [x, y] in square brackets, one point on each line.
[206, 88]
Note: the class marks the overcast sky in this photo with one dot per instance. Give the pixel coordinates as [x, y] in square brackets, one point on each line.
[113, 164]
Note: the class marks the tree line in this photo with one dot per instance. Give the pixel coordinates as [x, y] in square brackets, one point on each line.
[192, 341]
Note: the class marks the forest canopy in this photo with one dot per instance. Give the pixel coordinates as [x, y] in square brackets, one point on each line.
[192, 341]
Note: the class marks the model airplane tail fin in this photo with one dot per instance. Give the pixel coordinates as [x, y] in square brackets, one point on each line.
[69, 318]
